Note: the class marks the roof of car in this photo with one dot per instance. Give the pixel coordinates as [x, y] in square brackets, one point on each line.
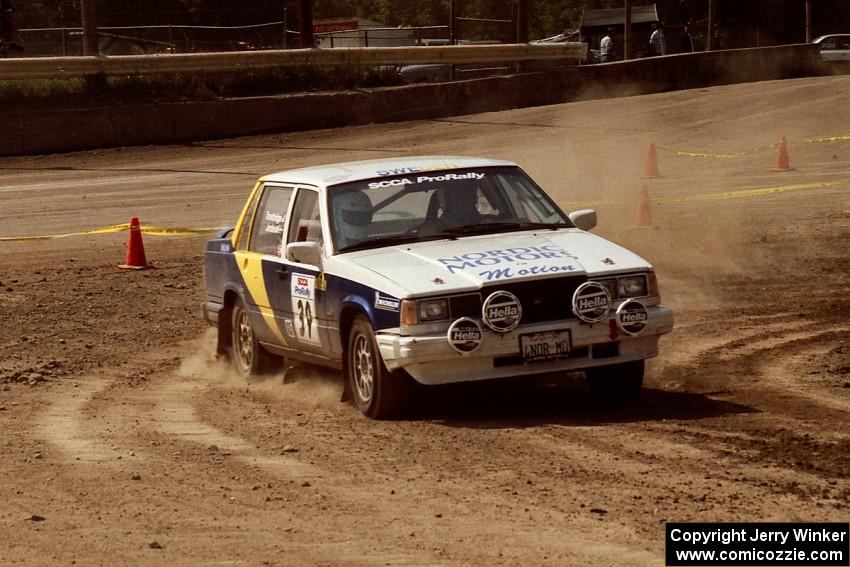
[823, 37]
[335, 173]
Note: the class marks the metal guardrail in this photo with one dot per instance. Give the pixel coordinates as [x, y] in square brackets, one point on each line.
[125, 65]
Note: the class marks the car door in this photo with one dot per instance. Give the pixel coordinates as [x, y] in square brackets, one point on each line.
[300, 295]
[259, 260]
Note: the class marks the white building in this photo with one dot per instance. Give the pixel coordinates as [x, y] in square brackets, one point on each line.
[357, 32]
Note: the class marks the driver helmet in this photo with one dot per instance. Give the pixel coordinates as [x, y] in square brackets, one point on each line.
[354, 215]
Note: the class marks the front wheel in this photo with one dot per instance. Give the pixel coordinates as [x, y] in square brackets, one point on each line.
[617, 382]
[375, 391]
[248, 355]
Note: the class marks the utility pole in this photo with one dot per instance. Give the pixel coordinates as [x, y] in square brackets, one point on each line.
[305, 23]
[522, 21]
[712, 17]
[808, 21]
[627, 30]
[285, 31]
[88, 9]
[452, 22]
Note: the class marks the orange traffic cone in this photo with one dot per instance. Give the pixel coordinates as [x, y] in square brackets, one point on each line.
[782, 162]
[643, 220]
[135, 248]
[652, 162]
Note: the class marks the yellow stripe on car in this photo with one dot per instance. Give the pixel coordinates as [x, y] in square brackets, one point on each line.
[250, 265]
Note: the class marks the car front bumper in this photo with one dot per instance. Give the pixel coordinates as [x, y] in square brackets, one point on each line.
[431, 360]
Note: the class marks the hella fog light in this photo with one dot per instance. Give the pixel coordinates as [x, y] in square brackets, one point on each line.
[632, 286]
[433, 309]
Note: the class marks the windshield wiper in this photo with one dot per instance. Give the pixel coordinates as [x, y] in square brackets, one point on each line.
[386, 240]
[501, 226]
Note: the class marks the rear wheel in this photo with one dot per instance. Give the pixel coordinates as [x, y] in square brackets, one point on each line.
[248, 355]
[375, 391]
[617, 382]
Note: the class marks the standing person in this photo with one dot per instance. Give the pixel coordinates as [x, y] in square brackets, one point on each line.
[686, 42]
[606, 47]
[656, 40]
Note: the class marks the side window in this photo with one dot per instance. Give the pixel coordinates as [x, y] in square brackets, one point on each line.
[242, 237]
[306, 225]
[270, 221]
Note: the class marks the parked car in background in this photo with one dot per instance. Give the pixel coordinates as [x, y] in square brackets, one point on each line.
[442, 72]
[429, 270]
[834, 47]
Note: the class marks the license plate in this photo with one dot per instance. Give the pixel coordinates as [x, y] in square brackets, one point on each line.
[545, 346]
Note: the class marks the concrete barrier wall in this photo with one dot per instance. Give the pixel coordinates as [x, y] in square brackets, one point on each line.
[59, 130]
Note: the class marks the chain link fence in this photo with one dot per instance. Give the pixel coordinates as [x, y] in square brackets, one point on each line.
[143, 40]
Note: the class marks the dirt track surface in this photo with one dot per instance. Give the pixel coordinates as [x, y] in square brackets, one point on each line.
[125, 442]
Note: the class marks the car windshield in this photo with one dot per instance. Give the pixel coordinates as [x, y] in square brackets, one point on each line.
[430, 205]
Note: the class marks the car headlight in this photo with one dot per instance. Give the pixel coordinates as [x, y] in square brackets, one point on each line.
[632, 286]
[433, 309]
[625, 287]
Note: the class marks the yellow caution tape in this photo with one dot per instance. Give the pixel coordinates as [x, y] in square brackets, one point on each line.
[736, 194]
[818, 140]
[755, 192]
[826, 140]
[704, 155]
[146, 229]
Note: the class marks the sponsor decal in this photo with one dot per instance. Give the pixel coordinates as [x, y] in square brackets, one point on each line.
[303, 286]
[632, 317]
[403, 170]
[591, 302]
[505, 263]
[386, 302]
[501, 311]
[465, 335]
[608, 262]
[274, 223]
[290, 330]
[398, 182]
[303, 293]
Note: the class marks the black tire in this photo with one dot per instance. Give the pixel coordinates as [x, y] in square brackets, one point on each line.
[617, 382]
[248, 355]
[375, 391]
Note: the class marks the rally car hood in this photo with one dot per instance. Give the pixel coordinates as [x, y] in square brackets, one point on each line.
[470, 263]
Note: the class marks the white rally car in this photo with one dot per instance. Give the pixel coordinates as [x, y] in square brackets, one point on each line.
[430, 269]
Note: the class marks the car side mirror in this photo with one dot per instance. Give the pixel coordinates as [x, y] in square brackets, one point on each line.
[584, 219]
[304, 253]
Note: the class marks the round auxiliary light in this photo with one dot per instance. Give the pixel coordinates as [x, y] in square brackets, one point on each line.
[501, 311]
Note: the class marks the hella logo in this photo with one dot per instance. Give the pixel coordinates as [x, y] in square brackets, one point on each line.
[591, 302]
[501, 311]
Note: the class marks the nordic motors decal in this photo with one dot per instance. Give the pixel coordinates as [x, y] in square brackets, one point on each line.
[591, 302]
[632, 317]
[465, 335]
[501, 311]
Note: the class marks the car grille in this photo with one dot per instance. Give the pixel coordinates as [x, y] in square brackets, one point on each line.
[468, 305]
[542, 300]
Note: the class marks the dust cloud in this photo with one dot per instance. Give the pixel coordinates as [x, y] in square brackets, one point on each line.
[305, 385]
